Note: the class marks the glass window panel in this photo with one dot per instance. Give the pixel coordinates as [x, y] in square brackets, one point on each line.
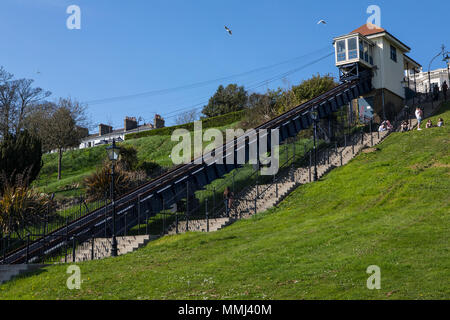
[394, 53]
[352, 49]
[366, 52]
[340, 45]
[361, 49]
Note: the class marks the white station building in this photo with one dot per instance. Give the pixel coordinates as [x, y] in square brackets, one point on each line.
[373, 48]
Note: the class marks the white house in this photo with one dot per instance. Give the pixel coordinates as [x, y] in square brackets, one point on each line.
[106, 134]
[437, 76]
[373, 48]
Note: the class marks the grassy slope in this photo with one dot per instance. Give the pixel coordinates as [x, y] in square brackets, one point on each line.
[388, 208]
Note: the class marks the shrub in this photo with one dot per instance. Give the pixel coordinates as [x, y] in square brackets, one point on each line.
[151, 169]
[128, 157]
[21, 154]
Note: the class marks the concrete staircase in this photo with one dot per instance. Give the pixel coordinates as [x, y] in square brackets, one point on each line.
[102, 248]
[200, 225]
[269, 196]
[7, 272]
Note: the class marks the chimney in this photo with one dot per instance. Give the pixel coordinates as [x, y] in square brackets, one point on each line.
[159, 122]
[130, 123]
[104, 129]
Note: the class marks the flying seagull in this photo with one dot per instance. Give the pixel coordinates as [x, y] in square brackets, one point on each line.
[228, 30]
[322, 22]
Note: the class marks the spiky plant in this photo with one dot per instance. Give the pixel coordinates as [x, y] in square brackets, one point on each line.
[21, 208]
[98, 183]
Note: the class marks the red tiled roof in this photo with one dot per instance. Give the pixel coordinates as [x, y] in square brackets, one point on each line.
[369, 29]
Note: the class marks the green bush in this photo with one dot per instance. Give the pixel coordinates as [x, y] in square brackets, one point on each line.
[21, 154]
[206, 123]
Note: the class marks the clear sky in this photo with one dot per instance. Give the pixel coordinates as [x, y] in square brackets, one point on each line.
[129, 47]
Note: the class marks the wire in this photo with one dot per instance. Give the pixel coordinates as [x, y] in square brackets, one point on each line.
[198, 84]
[257, 85]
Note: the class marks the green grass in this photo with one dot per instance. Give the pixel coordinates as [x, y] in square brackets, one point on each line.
[388, 208]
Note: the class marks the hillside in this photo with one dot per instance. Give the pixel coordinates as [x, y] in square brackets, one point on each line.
[388, 208]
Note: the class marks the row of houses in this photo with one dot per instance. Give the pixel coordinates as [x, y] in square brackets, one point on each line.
[106, 133]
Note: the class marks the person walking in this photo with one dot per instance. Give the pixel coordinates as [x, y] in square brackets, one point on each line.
[436, 92]
[228, 199]
[444, 89]
[419, 117]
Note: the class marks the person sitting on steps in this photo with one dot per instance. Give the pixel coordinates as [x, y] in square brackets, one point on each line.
[404, 126]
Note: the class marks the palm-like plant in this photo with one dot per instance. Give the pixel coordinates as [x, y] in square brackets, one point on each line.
[98, 184]
[21, 208]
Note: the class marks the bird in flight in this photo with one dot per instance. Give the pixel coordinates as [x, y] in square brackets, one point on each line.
[322, 22]
[228, 30]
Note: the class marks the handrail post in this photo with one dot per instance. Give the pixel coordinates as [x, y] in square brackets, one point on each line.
[310, 165]
[187, 206]
[28, 248]
[139, 214]
[207, 216]
[4, 249]
[92, 246]
[73, 249]
[371, 134]
[146, 222]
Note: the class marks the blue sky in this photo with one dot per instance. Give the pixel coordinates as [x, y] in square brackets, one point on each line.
[131, 47]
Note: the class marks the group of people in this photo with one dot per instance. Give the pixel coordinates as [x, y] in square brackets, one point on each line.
[436, 91]
[419, 116]
[385, 126]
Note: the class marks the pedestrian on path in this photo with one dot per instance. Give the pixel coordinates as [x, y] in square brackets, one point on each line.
[444, 89]
[228, 199]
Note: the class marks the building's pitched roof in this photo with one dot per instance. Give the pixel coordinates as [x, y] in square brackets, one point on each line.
[368, 29]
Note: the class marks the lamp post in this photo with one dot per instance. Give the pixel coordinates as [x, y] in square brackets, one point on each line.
[113, 155]
[447, 60]
[315, 118]
[429, 73]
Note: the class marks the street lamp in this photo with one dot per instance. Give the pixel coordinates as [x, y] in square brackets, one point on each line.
[113, 155]
[315, 118]
[447, 60]
[429, 73]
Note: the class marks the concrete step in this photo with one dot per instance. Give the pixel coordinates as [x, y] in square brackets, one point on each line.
[102, 248]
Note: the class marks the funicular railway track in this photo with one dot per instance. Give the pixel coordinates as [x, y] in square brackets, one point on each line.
[149, 196]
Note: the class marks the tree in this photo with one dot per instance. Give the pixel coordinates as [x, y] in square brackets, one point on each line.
[17, 99]
[226, 100]
[20, 155]
[60, 126]
[187, 117]
[313, 87]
